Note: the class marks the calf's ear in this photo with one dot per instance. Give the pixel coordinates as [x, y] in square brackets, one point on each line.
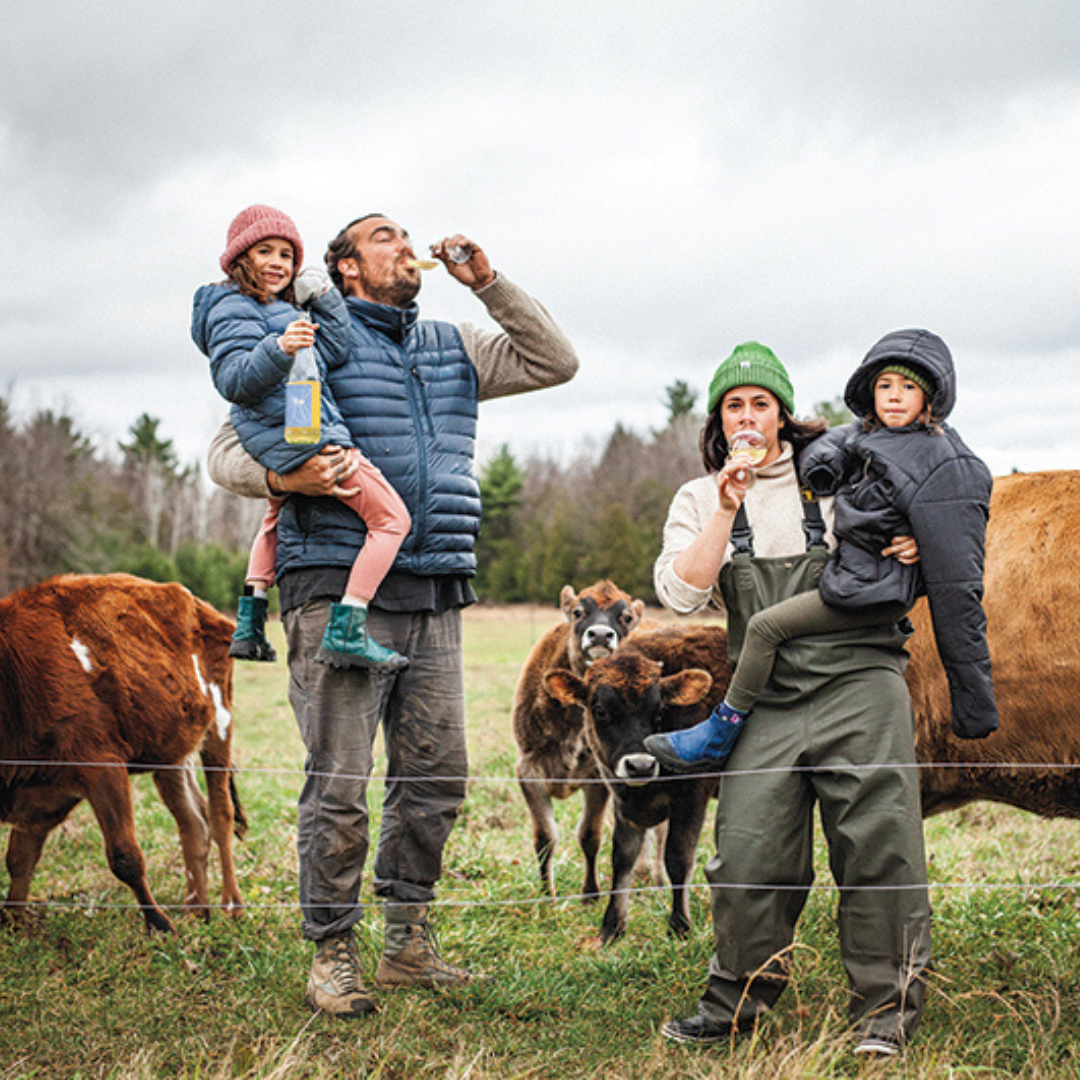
[638, 608]
[565, 687]
[685, 687]
[568, 601]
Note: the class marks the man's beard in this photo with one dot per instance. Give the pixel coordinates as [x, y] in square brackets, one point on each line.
[399, 292]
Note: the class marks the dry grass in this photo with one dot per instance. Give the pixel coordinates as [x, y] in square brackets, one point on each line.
[84, 992]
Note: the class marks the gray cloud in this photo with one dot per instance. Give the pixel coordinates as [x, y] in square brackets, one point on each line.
[668, 179]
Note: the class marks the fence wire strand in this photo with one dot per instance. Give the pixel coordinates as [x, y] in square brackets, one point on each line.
[532, 901]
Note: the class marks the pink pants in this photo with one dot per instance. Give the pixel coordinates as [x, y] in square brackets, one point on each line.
[383, 512]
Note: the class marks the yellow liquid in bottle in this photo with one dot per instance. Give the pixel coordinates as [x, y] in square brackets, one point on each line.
[303, 411]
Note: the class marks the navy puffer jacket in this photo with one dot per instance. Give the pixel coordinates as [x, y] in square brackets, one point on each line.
[408, 392]
[916, 481]
[240, 335]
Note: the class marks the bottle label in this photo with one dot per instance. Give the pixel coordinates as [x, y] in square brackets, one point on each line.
[302, 411]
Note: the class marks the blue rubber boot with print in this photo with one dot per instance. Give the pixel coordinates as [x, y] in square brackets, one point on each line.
[703, 747]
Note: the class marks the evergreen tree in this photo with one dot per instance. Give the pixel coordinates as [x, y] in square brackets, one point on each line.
[681, 400]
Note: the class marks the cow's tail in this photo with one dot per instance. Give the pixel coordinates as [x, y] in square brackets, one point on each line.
[240, 821]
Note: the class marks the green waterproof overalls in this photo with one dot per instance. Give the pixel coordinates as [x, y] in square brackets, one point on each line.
[833, 728]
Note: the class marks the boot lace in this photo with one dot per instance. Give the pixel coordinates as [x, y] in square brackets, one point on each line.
[429, 943]
[344, 963]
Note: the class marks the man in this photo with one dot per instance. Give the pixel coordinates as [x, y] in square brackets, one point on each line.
[409, 395]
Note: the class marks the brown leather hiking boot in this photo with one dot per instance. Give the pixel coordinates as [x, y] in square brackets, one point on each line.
[410, 958]
[335, 985]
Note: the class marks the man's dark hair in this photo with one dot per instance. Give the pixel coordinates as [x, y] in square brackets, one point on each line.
[342, 247]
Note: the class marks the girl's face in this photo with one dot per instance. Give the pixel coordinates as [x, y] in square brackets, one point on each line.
[752, 407]
[272, 261]
[897, 401]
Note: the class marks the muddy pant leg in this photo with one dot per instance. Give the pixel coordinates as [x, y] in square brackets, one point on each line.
[764, 838]
[427, 762]
[337, 710]
[798, 616]
[873, 824]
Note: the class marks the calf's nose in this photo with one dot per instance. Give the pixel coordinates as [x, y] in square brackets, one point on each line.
[636, 769]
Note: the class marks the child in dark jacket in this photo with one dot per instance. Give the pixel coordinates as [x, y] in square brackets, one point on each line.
[250, 329]
[898, 470]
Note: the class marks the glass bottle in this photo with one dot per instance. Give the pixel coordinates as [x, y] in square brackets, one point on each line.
[303, 398]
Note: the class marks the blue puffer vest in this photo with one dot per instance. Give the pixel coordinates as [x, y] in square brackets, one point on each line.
[408, 393]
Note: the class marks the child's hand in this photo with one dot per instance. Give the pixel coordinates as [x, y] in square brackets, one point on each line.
[299, 334]
[903, 549]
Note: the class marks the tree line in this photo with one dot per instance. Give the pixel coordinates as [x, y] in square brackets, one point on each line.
[72, 507]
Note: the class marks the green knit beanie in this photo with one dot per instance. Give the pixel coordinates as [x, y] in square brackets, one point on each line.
[919, 378]
[752, 364]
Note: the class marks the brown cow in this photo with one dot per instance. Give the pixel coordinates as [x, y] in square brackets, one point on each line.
[1032, 606]
[1033, 609]
[659, 680]
[105, 675]
[553, 760]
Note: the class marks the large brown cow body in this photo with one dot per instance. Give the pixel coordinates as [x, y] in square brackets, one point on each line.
[1032, 606]
[659, 680]
[554, 760]
[99, 676]
[1033, 609]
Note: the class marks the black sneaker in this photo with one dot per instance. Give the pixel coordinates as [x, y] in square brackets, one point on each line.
[697, 1029]
[878, 1046]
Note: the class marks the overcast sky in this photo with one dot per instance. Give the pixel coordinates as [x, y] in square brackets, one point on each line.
[669, 179]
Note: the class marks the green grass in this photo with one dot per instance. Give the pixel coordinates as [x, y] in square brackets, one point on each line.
[85, 992]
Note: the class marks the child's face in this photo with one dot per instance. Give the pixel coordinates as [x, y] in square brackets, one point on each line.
[272, 261]
[897, 401]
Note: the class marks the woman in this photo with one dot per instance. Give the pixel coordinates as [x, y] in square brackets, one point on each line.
[834, 728]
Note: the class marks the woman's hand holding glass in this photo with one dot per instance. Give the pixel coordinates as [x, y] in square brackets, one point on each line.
[746, 451]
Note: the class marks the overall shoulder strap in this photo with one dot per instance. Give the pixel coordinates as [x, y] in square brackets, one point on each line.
[813, 523]
[742, 536]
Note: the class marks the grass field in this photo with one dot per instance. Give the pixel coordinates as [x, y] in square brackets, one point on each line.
[85, 992]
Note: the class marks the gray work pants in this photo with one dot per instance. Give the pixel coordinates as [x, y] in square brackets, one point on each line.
[422, 713]
[854, 735]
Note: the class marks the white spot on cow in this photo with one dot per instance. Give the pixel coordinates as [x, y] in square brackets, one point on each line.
[213, 691]
[83, 654]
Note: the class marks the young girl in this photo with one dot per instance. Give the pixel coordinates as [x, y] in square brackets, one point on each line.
[249, 328]
[898, 471]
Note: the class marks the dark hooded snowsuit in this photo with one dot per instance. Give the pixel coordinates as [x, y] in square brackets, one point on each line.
[919, 481]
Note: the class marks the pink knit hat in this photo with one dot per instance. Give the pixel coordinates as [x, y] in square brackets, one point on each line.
[260, 223]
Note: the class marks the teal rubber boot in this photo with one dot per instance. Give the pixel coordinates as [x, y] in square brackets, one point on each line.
[347, 643]
[250, 641]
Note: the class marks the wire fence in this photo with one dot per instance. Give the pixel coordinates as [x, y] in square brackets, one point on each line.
[254, 904]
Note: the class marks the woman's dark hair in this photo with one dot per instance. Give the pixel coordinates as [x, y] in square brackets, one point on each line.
[714, 447]
[242, 275]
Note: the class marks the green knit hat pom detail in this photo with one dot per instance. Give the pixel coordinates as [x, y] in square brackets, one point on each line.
[921, 380]
[752, 364]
